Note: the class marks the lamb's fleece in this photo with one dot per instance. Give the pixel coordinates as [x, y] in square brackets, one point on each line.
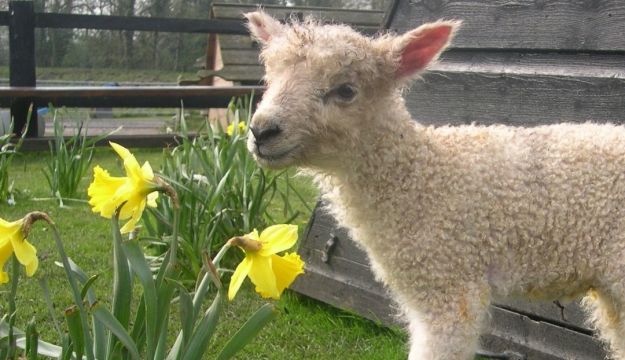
[451, 217]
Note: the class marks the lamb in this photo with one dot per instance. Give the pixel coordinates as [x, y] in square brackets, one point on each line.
[450, 217]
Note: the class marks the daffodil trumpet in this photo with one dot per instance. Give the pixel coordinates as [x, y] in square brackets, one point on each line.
[13, 241]
[127, 195]
[269, 272]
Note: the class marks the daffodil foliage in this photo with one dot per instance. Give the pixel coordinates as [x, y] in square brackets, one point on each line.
[268, 271]
[12, 241]
[134, 191]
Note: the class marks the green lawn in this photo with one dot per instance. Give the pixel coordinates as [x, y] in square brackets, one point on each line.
[304, 329]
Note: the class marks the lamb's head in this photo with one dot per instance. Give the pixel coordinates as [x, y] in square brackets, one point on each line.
[327, 82]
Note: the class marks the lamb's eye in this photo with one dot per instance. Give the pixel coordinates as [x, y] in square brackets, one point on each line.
[345, 92]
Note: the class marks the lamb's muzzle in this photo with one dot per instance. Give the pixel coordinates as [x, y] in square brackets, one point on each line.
[450, 217]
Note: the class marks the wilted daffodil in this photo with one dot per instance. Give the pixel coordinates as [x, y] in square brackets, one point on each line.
[134, 191]
[241, 128]
[12, 241]
[269, 272]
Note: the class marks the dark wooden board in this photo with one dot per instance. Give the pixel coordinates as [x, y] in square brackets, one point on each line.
[570, 315]
[327, 288]
[136, 23]
[450, 97]
[130, 141]
[538, 340]
[351, 16]
[523, 24]
[533, 63]
[172, 96]
[22, 67]
[4, 18]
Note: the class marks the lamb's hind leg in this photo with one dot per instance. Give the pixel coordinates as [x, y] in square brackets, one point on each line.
[606, 310]
[447, 327]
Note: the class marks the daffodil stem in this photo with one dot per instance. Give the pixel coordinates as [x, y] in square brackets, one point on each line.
[76, 292]
[224, 249]
[174, 237]
[15, 273]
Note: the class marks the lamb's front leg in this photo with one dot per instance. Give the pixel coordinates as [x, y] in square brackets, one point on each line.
[447, 325]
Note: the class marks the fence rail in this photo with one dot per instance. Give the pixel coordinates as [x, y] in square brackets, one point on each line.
[23, 91]
[4, 18]
[129, 96]
[137, 23]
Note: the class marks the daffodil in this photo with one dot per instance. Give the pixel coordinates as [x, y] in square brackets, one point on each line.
[12, 241]
[241, 128]
[136, 190]
[269, 272]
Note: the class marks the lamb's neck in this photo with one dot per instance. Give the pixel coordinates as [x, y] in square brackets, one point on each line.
[379, 161]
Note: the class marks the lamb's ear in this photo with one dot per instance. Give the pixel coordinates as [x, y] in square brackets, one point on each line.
[420, 47]
[262, 26]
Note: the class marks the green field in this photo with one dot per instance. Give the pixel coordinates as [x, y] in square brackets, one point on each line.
[304, 328]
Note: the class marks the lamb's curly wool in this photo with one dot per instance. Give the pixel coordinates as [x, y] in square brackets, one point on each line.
[450, 217]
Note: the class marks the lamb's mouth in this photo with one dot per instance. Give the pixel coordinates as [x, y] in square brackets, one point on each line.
[275, 157]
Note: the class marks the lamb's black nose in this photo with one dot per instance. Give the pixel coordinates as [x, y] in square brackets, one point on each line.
[265, 134]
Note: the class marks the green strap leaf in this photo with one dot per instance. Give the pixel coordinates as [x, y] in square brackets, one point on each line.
[248, 331]
[140, 266]
[76, 334]
[204, 331]
[117, 329]
[122, 283]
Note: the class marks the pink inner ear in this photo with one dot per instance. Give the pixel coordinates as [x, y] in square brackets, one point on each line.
[260, 29]
[422, 49]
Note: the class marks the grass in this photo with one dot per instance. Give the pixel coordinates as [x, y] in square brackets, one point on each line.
[305, 328]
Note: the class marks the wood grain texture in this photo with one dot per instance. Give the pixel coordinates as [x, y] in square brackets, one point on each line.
[456, 97]
[511, 331]
[351, 16]
[580, 25]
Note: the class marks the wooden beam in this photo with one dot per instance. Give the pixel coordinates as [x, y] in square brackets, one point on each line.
[136, 23]
[130, 141]
[22, 62]
[4, 18]
[162, 96]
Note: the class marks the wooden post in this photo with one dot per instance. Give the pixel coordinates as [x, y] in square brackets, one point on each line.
[22, 62]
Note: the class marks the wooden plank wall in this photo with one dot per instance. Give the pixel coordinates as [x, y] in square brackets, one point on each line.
[240, 54]
[522, 62]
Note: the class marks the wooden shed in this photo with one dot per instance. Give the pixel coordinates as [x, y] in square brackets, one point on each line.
[234, 58]
[520, 63]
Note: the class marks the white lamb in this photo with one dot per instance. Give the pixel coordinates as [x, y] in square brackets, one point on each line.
[450, 217]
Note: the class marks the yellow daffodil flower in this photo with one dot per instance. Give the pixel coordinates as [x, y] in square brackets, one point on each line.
[230, 128]
[107, 193]
[12, 241]
[269, 272]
